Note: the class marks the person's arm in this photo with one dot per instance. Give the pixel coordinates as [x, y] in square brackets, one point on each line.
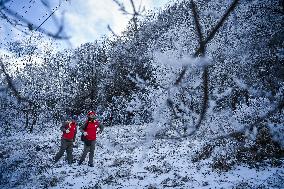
[83, 127]
[101, 126]
[75, 134]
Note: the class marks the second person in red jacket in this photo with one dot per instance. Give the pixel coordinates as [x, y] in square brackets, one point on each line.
[90, 130]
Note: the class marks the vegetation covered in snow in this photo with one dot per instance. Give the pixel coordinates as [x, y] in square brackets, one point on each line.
[195, 93]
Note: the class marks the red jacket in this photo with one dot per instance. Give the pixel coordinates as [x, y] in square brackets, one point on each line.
[91, 128]
[72, 127]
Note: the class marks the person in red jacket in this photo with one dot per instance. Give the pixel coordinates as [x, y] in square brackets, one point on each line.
[89, 131]
[69, 130]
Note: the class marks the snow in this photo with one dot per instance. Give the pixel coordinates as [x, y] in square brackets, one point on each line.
[156, 154]
[128, 157]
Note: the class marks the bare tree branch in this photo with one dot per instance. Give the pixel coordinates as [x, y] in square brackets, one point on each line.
[201, 52]
[221, 22]
[26, 23]
[121, 6]
[170, 103]
[140, 10]
[210, 36]
[198, 27]
[135, 13]
[14, 23]
[110, 29]
[10, 84]
[45, 19]
[133, 7]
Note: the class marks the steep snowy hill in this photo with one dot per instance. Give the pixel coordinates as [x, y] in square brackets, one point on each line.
[126, 157]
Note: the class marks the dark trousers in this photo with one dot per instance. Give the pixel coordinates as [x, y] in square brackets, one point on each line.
[89, 148]
[67, 146]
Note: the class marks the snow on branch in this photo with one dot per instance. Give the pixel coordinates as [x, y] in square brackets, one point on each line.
[201, 50]
[209, 37]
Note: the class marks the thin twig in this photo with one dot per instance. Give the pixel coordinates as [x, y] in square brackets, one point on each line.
[198, 27]
[30, 24]
[111, 30]
[45, 19]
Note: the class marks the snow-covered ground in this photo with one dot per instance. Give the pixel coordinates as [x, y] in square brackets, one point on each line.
[126, 157]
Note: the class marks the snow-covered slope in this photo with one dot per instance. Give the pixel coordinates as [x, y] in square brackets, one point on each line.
[126, 157]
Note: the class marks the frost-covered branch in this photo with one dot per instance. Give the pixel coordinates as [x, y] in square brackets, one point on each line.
[201, 52]
[221, 22]
[198, 27]
[205, 72]
[208, 38]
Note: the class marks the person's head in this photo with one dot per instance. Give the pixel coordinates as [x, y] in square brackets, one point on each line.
[74, 118]
[91, 115]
